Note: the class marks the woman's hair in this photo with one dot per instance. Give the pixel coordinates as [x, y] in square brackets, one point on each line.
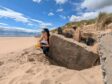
[48, 33]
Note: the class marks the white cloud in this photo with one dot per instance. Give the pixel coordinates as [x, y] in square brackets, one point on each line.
[12, 28]
[38, 21]
[96, 4]
[41, 23]
[50, 14]
[8, 13]
[59, 10]
[37, 1]
[93, 8]
[74, 18]
[85, 16]
[19, 17]
[63, 17]
[107, 9]
[90, 15]
[61, 1]
[3, 24]
[52, 28]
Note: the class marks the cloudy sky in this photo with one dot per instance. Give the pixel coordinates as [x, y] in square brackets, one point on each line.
[33, 15]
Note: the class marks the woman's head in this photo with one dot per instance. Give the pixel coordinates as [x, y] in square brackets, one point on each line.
[45, 32]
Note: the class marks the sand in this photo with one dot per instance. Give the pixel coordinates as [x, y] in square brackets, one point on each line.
[22, 64]
[11, 44]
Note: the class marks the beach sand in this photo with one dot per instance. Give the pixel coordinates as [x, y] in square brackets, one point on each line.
[11, 44]
[21, 63]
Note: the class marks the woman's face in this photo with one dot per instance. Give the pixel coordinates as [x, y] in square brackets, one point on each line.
[44, 33]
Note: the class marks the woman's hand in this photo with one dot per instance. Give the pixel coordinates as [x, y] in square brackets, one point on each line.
[45, 45]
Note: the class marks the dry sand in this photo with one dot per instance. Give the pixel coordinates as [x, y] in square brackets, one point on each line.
[30, 66]
[11, 44]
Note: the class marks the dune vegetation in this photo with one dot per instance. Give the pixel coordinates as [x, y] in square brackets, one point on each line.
[101, 22]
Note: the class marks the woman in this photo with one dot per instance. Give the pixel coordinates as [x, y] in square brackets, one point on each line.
[44, 41]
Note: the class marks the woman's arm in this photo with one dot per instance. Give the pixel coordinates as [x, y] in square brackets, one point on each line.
[41, 38]
[46, 45]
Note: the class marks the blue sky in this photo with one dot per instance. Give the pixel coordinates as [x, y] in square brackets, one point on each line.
[33, 15]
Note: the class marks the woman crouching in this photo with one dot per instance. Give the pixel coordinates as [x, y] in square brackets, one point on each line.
[44, 41]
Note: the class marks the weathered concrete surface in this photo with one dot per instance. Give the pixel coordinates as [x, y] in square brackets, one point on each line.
[106, 56]
[71, 54]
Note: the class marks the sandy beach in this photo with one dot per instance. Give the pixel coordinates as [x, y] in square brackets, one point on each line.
[13, 44]
[21, 63]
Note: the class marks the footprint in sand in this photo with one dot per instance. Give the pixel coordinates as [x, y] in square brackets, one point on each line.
[1, 76]
[24, 53]
[14, 80]
[20, 80]
[31, 59]
[30, 71]
[1, 63]
[46, 81]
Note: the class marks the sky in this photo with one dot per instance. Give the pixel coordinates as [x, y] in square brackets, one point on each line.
[34, 15]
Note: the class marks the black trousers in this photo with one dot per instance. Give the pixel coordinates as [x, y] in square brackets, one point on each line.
[45, 50]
